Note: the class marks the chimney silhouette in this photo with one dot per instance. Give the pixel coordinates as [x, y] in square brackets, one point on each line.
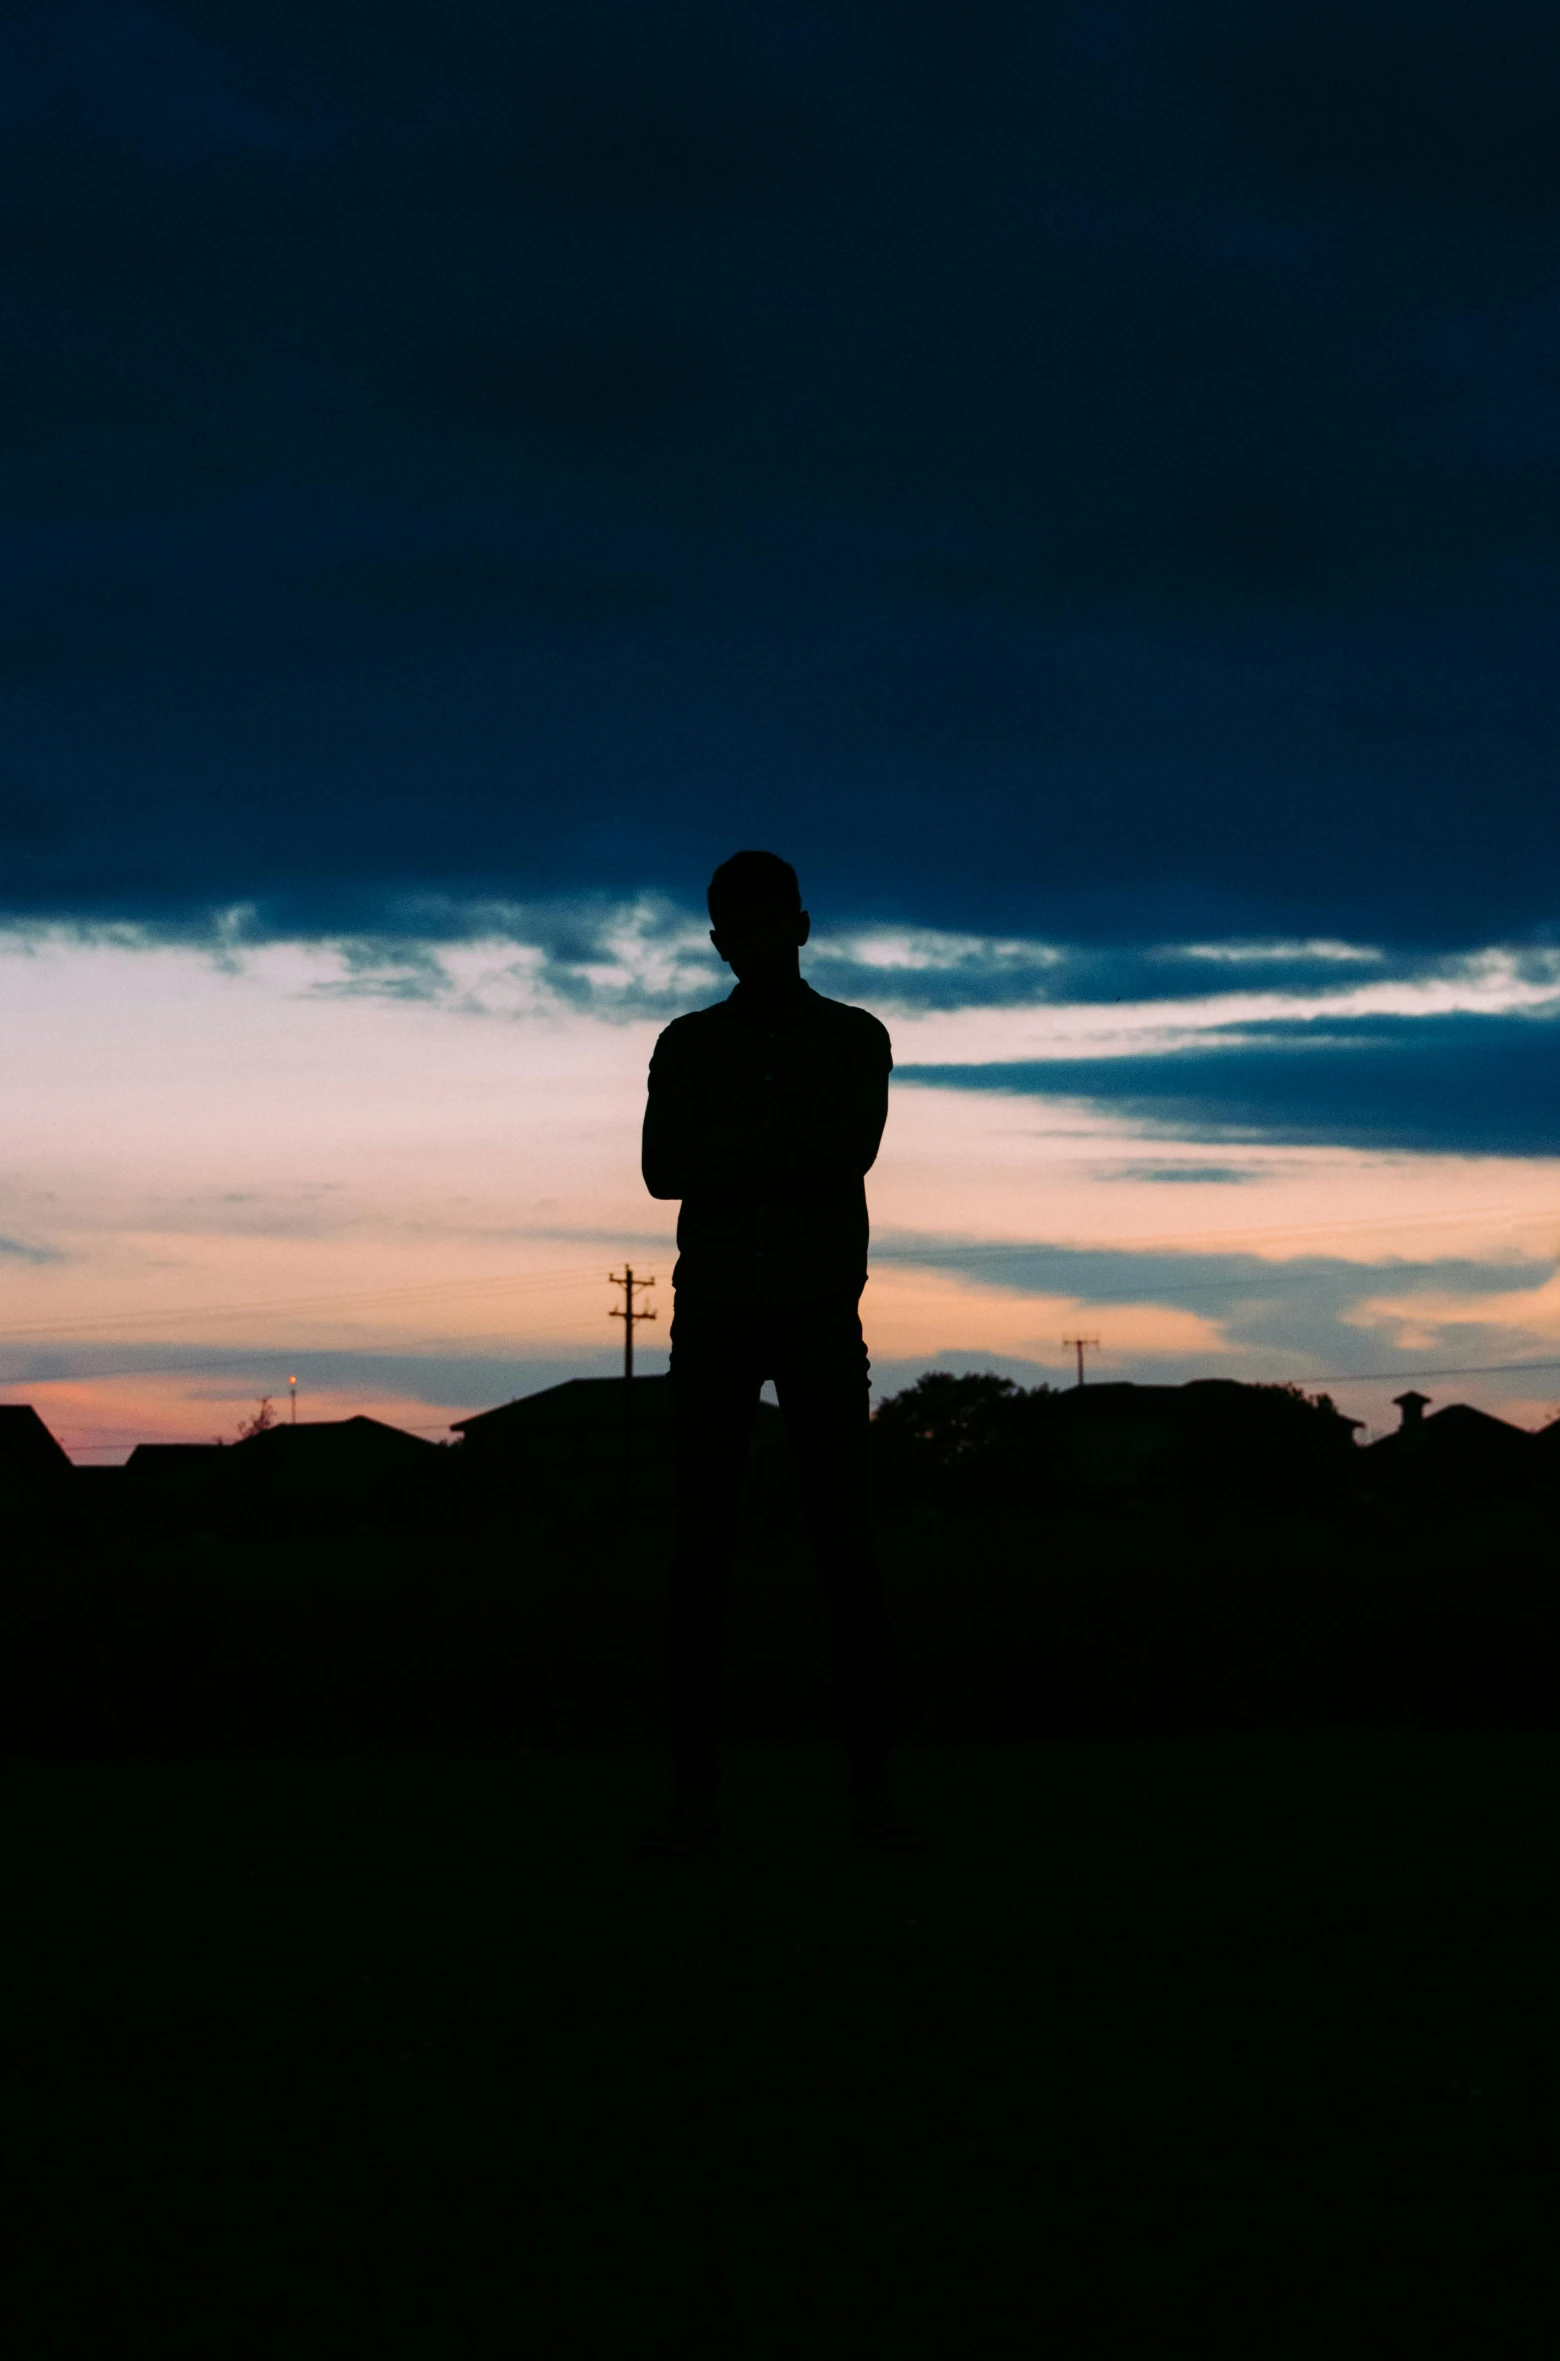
[1412, 1405]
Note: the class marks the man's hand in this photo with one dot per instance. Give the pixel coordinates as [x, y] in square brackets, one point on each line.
[796, 1159]
[725, 1156]
[788, 1153]
[683, 1157]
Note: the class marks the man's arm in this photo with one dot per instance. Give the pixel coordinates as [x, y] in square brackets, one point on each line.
[680, 1156]
[683, 1156]
[844, 1147]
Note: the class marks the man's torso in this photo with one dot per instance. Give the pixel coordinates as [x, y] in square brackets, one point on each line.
[801, 1232]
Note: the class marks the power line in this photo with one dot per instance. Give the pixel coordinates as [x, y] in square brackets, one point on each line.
[901, 1252]
[1478, 1369]
[922, 1256]
[573, 1277]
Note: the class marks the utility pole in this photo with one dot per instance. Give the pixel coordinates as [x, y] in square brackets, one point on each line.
[1083, 1344]
[629, 1316]
[292, 1396]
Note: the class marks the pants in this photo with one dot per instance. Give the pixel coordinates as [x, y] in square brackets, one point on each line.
[719, 1362]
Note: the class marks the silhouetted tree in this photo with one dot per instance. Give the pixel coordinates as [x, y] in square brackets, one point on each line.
[1297, 1393]
[952, 1438]
[264, 1417]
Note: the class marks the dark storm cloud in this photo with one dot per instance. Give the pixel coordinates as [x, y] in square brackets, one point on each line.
[1469, 1084]
[1087, 470]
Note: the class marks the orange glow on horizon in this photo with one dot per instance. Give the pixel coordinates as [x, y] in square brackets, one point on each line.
[208, 1161]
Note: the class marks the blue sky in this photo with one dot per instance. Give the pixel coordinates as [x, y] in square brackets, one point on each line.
[1083, 482]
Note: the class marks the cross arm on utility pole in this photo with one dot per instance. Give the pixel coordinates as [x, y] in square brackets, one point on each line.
[1082, 1345]
[630, 1315]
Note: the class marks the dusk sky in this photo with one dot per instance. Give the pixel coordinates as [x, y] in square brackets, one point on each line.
[1083, 483]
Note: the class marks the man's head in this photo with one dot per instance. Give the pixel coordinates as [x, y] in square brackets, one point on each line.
[757, 921]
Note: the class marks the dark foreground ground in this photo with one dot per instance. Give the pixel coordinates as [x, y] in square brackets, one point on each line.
[1231, 2044]
[1152, 1616]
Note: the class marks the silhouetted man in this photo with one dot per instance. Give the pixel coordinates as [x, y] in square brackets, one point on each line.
[764, 1115]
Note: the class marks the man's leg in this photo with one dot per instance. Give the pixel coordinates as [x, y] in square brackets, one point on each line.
[822, 1380]
[715, 1389]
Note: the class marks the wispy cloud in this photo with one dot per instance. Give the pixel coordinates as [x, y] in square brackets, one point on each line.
[1452, 1052]
[1012, 996]
[372, 1158]
[619, 961]
[1312, 953]
[20, 1250]
[1192, 1175]
[1493, 982]
[1318, 1314]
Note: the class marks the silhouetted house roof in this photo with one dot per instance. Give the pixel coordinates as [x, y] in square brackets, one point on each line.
[336, 1443]
[356, 1442]
[1114, 1434]
[34, 1470]
[328, 1459]
[583, 1409]
[28, 1449]
[1457, 1445]
[349, 1464]
[572, 1433]
[178, 1487]
[1214, 1429]
[170, 1466]
[102, 1497]
[583, 1417]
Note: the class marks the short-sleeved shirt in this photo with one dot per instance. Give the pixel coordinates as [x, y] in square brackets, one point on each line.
[800, 1091]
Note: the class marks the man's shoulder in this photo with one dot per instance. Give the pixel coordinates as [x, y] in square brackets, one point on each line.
[867, 1034]
[689, 1031]
[857, 1031]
